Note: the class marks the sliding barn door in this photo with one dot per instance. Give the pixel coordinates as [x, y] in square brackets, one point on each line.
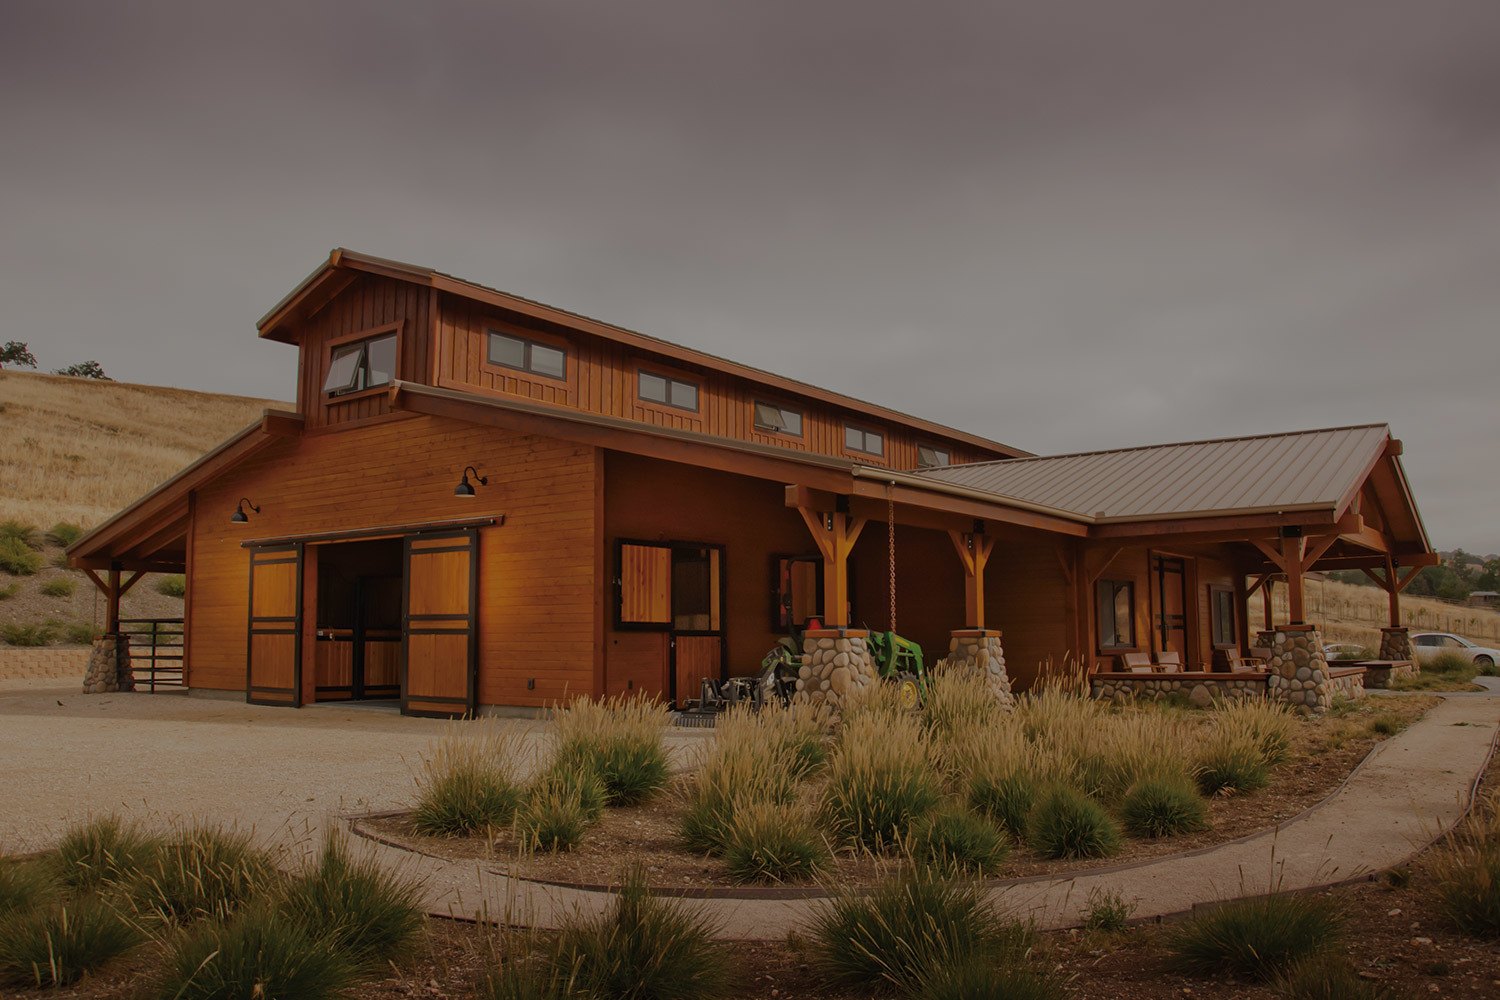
[439, 651]
[273, 666]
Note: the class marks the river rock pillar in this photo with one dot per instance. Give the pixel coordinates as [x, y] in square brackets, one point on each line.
[1395, 644]
[979, 651]
[109, 666]
[837, 669]
[1299, 669]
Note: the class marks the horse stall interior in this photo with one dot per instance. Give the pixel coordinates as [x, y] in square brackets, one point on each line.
[358, 630]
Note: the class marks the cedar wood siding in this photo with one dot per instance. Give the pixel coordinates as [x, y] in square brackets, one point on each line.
[1026, 598]
[601, 378]
[537, 571]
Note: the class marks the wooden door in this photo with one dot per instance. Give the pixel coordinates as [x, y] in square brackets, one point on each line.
[1170, 604]
[695, 657]
[439, 661]
[273, 661]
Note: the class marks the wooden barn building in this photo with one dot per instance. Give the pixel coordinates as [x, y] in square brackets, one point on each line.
[483, 502]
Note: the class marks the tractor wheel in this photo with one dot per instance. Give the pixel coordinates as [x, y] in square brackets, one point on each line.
[908, 692]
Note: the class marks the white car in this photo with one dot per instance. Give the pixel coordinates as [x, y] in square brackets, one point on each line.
[1428, 644]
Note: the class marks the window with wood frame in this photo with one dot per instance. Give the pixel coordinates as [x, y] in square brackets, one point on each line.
[863, 440]
[930, 456]
[777, 419]
[361, 364]
[1221, 615]
[1115, 607]
[798, 593]
[669, 585]
[527, 355]
[666, 390]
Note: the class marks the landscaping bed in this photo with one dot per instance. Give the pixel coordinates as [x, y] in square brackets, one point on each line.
[1321, 754]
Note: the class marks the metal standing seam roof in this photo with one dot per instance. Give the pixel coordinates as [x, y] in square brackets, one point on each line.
[1269, 472]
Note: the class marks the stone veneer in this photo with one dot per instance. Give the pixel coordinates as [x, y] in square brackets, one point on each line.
[109, 666]
[1385, 675]
[1201, 689]
[836, 667]
[979, 650]
[1395, 644]
[1346, 682]
[1299, 669]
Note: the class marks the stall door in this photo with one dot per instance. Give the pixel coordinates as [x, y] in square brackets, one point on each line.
[273, 666]
[439, 609]
[1169, 594]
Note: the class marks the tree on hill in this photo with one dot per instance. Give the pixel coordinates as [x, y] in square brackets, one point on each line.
[85, 369]
[17, 354]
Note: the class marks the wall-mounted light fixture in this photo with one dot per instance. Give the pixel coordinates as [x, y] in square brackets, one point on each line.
[466, 488]
[239, 516]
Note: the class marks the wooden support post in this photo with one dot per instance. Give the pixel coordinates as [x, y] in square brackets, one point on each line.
[1293, 549]
[835, 533]
[1267, 605]
[973, 550]
[112, 601]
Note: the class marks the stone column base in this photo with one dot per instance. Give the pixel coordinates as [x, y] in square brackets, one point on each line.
[109, 666]
[836, 667]
[1395, 644]
[1299, 670]
[979, 650]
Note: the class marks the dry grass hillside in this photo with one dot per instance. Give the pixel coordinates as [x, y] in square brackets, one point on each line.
[78, 450]
[1349, 613]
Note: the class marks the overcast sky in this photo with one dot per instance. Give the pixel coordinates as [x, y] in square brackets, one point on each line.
[1067, 226]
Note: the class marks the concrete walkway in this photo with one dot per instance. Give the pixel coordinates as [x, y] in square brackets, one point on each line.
[166, 758]
[1411, 788]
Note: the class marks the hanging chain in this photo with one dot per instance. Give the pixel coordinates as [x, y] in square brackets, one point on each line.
[890, 546]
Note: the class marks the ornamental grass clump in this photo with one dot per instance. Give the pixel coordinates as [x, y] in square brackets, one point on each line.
[1467, 872]
[1164, 805]
[56, 945]
[893, 936]
[959, 700]
[25, 884]
[795, 734]
[467, 782]
[64, 533]
[202, 871]
[21, 533]
[1330, 978]
[258, 953]
[993, 769]
[774, 842]
[1230, 762]
[558, 810]
[620, 740]
[1065, 823]
[1270, 725]
[98, 851]
[643, 947]
[19, 559]
[370, 914]
[1446, 661]
[955, 839]
[739, 769]
[1256, 938]
[979, 979]
[880, 780]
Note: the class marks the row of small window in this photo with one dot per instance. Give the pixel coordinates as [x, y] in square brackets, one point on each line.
[1115, 603]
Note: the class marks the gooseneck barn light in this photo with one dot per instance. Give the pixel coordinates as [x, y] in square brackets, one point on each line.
[239, 516]
[466, 488]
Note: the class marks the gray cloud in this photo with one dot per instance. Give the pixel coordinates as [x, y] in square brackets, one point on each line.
[1064, 225]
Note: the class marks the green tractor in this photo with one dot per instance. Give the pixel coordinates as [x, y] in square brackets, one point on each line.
[899, 661]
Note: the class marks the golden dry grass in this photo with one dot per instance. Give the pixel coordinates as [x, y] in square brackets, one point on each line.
[78, 450]
[1350, 613]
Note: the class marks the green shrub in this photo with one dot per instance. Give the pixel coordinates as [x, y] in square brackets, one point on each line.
[1446, 661]
[1230, 763]
[620, 740]
[529, 977]
[1006, 798]
[29, 633]
[60, 561]
[12, 530]
[1068, 824]
[101, 851]
[554, 816]
[56, 945]
[59, 586]
[467, 783]
[894, 935]
[771, 842]
[737, 772]
[259, 953]
[25, 884]
[78, 633]
[979, 979]
[1468, 885]
[880, 781]
[172, 585]
[1163, 806]
[1107, 910]
[370, 914]
[954, 838]
[644, 947]
[64, 533]
[203, 871]
[18, 559]
[1331, 979]
[1255, 938]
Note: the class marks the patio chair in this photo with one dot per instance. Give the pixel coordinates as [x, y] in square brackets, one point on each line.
[1243, 664]
[1169, 662]
[1136, 663]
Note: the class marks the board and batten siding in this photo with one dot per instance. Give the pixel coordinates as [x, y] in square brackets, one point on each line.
[601, 378]
[537, 571]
